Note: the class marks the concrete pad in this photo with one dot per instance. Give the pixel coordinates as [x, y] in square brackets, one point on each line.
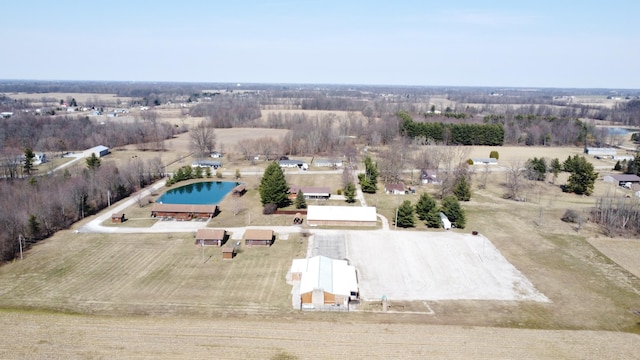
[410, 265]
[331, 244]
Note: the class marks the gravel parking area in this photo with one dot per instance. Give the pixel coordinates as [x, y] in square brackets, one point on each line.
[409, 265]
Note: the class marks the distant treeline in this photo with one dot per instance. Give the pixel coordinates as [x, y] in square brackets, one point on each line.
[454, 134]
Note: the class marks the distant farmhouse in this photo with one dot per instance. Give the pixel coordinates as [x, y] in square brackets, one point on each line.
[310, 192]
[333, 163]
[395, 189]
[429, 177]
[206, 164]
[293, 164]
[484, 161]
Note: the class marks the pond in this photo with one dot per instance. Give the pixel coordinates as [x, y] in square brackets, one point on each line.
[201, 193]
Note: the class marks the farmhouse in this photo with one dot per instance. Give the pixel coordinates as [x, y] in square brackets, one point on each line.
[216, 154]
[623, 157]
[259, 237]
[394, 189]
[621, 179]
[183, 212]
[484, 161]
[215, 237]
[600, 151]
[293, 164]
[310, 192]
[206, 163]
[341, 215]
[334, 163]
[429, 177]
[320, 281]
[99, 150]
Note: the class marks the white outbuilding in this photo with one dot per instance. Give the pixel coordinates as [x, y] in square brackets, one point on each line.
[321, 281]
[341, 215]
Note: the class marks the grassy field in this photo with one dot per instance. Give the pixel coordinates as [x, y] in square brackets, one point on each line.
[154, 275]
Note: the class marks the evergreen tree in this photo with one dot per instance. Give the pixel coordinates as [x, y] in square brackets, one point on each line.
[273, 187]
[451, 208]
[617, 166]
[555, 168]
[424, 205]
[433, 219]
[29, 155]
[34, 226]
[300, 202]
[582, 178]
[536, 169]
[350, 192]
[405, 216]
[461, 189]
[369, 180]
[93, 162]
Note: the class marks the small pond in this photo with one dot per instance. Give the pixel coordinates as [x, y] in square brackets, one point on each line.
[202, 193]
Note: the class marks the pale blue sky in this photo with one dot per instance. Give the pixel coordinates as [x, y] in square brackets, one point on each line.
[584, 44]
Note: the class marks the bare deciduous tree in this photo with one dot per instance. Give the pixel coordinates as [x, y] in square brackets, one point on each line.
[203, 139]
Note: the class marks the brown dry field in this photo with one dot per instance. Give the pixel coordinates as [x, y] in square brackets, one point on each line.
[100, 295]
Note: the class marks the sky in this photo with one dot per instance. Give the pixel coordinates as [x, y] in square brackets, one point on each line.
[560, 44]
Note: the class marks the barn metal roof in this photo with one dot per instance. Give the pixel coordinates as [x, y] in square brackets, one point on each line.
[345, 213]
[331, 275]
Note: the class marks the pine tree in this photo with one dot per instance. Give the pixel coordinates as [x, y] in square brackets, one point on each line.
[93, 162]
[451, 208]
[350, 192]
[29, 155]
[424, 205]
[582, 178]
[300, 202]
[461, 189]
[273, 187]
[405, 216]
[555, 168]
[369, 180]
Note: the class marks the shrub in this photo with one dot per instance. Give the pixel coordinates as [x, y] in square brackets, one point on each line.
[470, 162]
[269, 209]
[571, 216]
[494, 155]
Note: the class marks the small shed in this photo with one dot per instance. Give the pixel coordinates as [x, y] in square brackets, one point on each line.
[229, 252]
[211, 237]
[117, 218]
[259, 237]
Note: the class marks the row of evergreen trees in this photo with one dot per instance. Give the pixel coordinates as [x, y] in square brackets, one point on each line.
[428, 211]
[455, 134]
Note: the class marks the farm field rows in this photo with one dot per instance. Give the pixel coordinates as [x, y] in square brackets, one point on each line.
[44, 335]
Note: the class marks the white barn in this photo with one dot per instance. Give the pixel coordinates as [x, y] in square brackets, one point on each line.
[600, 151]
[99, 150]
[320, 281]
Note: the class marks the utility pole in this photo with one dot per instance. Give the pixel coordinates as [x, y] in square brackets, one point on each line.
[396, 223]
[20, 240]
